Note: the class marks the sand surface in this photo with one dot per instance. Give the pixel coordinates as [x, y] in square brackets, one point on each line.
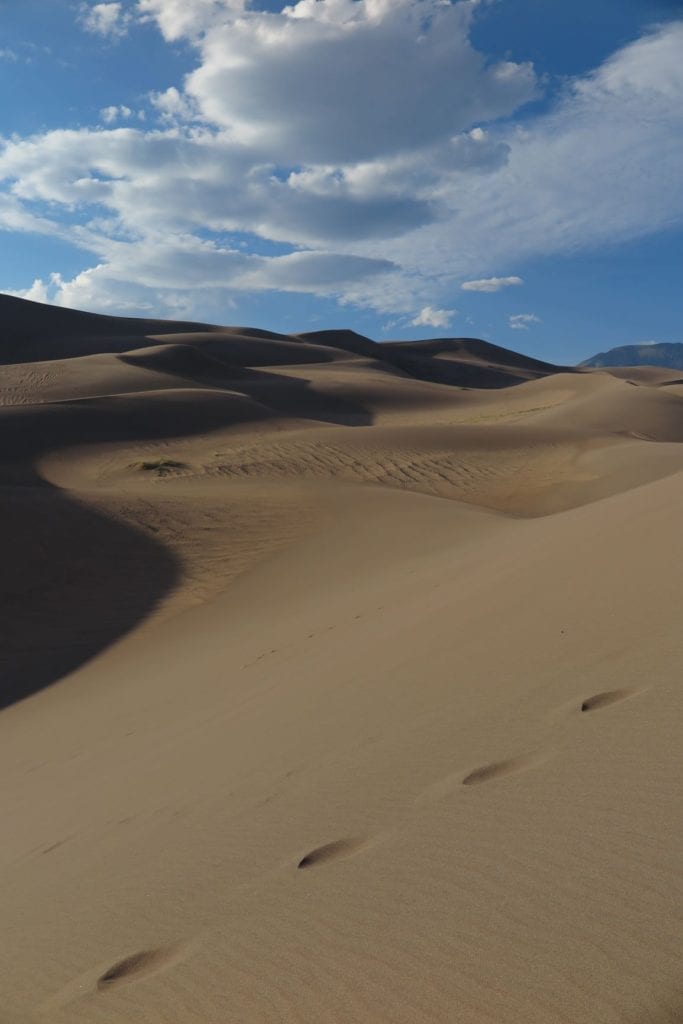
[341, 683]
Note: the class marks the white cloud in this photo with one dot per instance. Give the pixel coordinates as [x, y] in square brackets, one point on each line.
[342, 81]
[153, 274]
[430, 317]
[111, 114]
[490, 284]
[186, 18]
[173, 105]
[7, 54]
[311, 272]
[15, 217]
[521, 321]
[39, 291]
[105, 19]
[408, 175]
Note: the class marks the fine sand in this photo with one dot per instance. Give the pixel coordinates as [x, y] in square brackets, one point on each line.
[341, 683]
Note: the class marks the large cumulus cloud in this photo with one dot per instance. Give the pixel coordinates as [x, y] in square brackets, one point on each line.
[350, 80]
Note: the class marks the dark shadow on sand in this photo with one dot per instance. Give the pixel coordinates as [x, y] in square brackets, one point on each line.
[75, 580]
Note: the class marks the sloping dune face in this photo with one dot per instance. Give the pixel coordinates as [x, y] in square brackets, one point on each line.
[340, 681]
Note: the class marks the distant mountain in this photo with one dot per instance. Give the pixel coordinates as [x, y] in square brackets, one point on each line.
[664, 354]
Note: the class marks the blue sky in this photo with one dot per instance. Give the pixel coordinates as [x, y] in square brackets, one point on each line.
[507, 169]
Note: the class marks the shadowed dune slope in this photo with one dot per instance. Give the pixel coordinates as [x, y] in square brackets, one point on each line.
[33, 331]
[467, 362]
[340, 681]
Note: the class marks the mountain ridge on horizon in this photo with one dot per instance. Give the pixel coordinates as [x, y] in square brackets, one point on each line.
[661, 353]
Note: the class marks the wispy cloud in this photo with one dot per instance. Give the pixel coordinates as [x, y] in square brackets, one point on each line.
[522, 321]
[490, 284]
[601, 167]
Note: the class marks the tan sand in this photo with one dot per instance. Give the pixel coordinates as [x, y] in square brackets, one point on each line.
[335, 691]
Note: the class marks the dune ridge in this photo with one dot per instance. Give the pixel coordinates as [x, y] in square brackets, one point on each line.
[340, 680]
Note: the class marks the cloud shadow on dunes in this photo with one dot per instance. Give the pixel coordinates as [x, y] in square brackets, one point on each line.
[274, 394]
[35, 331]
[75, 580]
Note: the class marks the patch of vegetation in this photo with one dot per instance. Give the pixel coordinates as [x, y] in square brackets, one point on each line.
[160, 466]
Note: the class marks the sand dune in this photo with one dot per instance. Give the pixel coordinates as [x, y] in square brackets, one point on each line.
[340, 681]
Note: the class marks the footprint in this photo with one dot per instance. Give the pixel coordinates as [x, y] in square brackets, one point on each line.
[130, 969]
[133, 967]
[449, 784]
[55, 846]
[500, 768]
[331, 851]
[602, 700]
